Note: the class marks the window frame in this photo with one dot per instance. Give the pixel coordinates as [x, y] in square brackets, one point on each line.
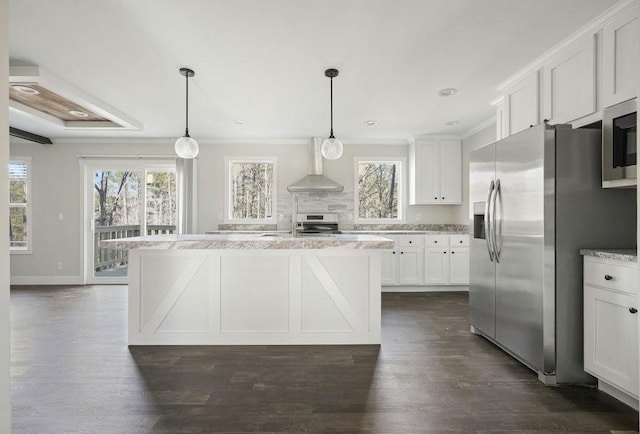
[29, 214]
[402, 163]
[227, 190]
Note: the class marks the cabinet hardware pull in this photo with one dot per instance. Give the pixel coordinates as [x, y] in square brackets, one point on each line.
[402, 253]
[393, 253]
[452, 253]
[443, 197]
[444, 253]
[460, 241]
[436, 197]
[607, 277]
[436, 241]
[410, 242]
[633, 310]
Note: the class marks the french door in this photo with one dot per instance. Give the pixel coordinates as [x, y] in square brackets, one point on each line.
[123, 199]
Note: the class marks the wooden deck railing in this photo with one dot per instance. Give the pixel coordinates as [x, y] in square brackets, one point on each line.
[110, 258]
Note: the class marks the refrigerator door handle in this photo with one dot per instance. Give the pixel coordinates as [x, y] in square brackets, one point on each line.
[496, 224]
[487, 222]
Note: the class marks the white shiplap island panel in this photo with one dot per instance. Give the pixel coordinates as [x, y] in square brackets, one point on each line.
[253, 290]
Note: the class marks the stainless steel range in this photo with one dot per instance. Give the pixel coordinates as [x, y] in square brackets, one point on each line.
[318, 225]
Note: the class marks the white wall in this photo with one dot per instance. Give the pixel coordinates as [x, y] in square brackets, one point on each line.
[481, 138]
[5, 355]
[57, 188]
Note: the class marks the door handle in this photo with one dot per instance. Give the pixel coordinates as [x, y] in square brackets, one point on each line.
[495, 222]
[487, 221]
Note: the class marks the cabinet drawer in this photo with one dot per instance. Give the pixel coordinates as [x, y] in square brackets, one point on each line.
[609, 275]
[411, 240]
[459, 240]
[436, 240]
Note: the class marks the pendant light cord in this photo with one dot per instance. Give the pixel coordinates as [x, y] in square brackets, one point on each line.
[186, 129]
[331, 134]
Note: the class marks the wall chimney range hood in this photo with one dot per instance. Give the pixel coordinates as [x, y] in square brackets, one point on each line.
[315, 181]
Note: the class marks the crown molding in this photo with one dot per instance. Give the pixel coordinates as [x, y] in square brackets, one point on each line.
[590, 28]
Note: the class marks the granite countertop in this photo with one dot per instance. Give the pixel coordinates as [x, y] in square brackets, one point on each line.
[626, 255]
[405, 232]
[249, 241]
[355, 232]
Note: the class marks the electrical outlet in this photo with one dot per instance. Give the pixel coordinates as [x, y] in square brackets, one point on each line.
[418, 217]
[59, 265]
[60, 216]
[281, 217]
[350, 217]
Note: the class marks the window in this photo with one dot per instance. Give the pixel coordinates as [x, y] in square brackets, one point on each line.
[379, 190]
[20, 205]
[250, 190]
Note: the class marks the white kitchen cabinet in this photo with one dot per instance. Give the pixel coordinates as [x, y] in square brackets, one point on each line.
[621, 57]
[435, 172]
[522, 104]
[570, 82]
[459, 265]
[389, 268]
[410, 268]
[436, 265]
[611, 323]
[446, 260]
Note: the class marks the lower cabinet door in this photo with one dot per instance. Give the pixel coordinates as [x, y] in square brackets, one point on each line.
[389, 267]
[436, 265]
[611, 337]
[410, 265]
[459, 266]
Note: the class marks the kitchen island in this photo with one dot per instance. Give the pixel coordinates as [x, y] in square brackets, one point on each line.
[249, 289]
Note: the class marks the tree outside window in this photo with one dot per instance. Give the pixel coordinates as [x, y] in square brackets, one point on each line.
[251, 189]
[379, 190]
[19, 205]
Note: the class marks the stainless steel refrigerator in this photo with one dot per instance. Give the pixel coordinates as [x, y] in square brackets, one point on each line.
[537, 199]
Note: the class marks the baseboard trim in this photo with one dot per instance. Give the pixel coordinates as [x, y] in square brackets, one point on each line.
[618, 394]
[46, 280]
[443, 288]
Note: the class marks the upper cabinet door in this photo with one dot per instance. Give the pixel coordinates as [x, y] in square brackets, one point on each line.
[425, 188]
[570, 83]
[521, 104]
[620, 58]
[450, 172]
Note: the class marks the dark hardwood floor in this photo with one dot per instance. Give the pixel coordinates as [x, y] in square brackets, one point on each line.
[72, 372]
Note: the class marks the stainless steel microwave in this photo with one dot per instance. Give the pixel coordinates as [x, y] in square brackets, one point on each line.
[619, 143]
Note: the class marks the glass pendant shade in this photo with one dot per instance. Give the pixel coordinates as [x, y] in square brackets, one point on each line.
[331, 148]
[186, 147]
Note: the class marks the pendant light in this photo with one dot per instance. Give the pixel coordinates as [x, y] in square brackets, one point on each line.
[186, 147]
[331, 148]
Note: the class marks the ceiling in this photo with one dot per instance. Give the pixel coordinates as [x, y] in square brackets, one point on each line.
[263, 61]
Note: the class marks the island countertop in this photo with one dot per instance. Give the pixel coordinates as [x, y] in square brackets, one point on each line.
[248, 241]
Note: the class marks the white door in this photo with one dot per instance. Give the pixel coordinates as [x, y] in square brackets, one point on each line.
[410, 267]
[620, 58]
[436, 266]
[124, 199]
[427, 172]
[459, 266]
[450, 172]
[611, 337]
[389, 268]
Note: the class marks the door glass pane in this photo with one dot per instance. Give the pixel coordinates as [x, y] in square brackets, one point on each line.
[161, 202]
[116, 205]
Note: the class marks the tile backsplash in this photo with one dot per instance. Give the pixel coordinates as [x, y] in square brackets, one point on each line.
[339, 203]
